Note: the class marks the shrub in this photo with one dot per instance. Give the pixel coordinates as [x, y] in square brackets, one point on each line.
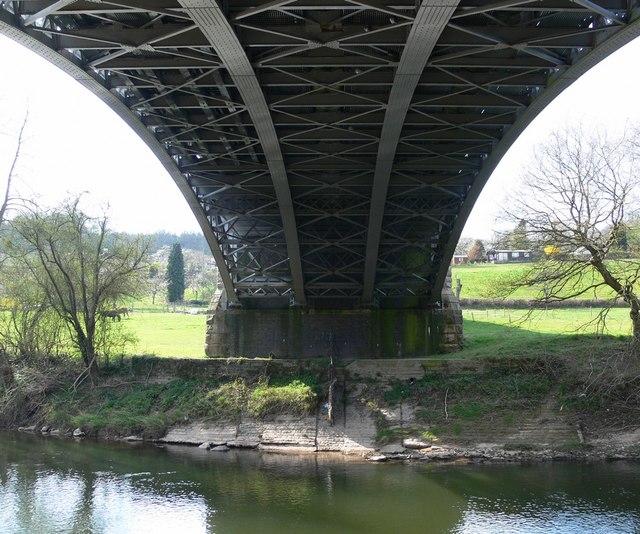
[228, 400]
[296, 398]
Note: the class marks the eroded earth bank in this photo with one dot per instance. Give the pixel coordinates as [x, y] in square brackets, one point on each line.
[498, 409]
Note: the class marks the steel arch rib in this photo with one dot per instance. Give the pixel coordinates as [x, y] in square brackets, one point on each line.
[86, 80]
[211, 20]
[429, 23]
[602, 51]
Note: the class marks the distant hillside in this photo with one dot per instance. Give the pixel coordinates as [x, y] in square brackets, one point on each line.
[189, 241]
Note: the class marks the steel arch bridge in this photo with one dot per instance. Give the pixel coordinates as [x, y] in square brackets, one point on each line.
[331, 150]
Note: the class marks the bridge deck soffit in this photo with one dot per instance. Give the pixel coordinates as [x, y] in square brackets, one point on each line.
[331, 149]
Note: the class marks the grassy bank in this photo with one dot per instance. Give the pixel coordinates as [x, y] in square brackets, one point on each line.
[147, 396]
[150, 409]
[459, 401]
[516, 362]
[457, 404]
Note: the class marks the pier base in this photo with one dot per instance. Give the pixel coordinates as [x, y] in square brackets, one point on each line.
[341, 334]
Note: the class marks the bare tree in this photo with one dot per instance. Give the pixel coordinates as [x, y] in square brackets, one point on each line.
[81, 266]
[575, 204]
[6, 201]
[6, 370]
[463, 246]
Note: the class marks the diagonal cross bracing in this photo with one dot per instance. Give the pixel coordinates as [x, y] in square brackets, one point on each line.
[215, 26]
[429, 23]
[336, 81]
[44, 12]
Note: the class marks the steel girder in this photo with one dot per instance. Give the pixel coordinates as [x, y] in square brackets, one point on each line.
[330, 149]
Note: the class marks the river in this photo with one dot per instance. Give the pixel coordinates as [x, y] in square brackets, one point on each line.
[54, 485]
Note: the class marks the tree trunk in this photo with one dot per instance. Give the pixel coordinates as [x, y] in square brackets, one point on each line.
[93, 370]
[634, 313]
[89, 356]
[8, 378]
[628, 295]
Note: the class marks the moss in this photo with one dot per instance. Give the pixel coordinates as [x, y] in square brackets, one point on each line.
[412, 338]
[386, 323]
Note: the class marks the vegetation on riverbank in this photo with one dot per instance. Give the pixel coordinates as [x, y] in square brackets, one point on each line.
[597, 390]
[516, 364]
[150, 409]
[455, 401]
[146, 399]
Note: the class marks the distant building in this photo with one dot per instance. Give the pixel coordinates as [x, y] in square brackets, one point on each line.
[509, 256]
[459, 259]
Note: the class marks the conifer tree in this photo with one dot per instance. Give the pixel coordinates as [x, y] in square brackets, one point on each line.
[175, 274]
[477, 252]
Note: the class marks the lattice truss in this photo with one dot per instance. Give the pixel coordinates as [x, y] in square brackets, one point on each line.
[331, 144]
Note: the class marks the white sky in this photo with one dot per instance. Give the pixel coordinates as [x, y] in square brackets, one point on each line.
[75, 143]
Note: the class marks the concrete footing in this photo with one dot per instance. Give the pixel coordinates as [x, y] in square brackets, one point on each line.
[341, 334]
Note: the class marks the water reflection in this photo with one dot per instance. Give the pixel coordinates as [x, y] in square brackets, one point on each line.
[50, 485]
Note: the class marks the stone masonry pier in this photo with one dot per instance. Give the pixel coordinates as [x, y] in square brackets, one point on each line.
[341, 334]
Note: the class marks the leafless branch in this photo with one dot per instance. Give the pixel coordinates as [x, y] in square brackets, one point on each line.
[12, 169]
[578, 203]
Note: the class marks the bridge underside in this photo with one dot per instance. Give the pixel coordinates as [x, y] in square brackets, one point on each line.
[330, 149]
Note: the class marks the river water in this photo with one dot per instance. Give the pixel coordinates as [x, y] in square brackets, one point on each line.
[51, 485]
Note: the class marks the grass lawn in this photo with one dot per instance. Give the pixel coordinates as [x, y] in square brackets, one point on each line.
[484, 280]
[504, 332]
[567, 321]
[488, 333]
[487, 280]
[167, 334]
[170, 331]
[492, 332]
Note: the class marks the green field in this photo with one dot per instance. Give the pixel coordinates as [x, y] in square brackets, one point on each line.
[509, 331]
[487, 280]
[487, 332]
[556, 321]
[179, 332]
[504, 332]
[167, 334]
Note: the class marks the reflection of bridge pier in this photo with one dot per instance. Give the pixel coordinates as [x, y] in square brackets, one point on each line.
[344, 334]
